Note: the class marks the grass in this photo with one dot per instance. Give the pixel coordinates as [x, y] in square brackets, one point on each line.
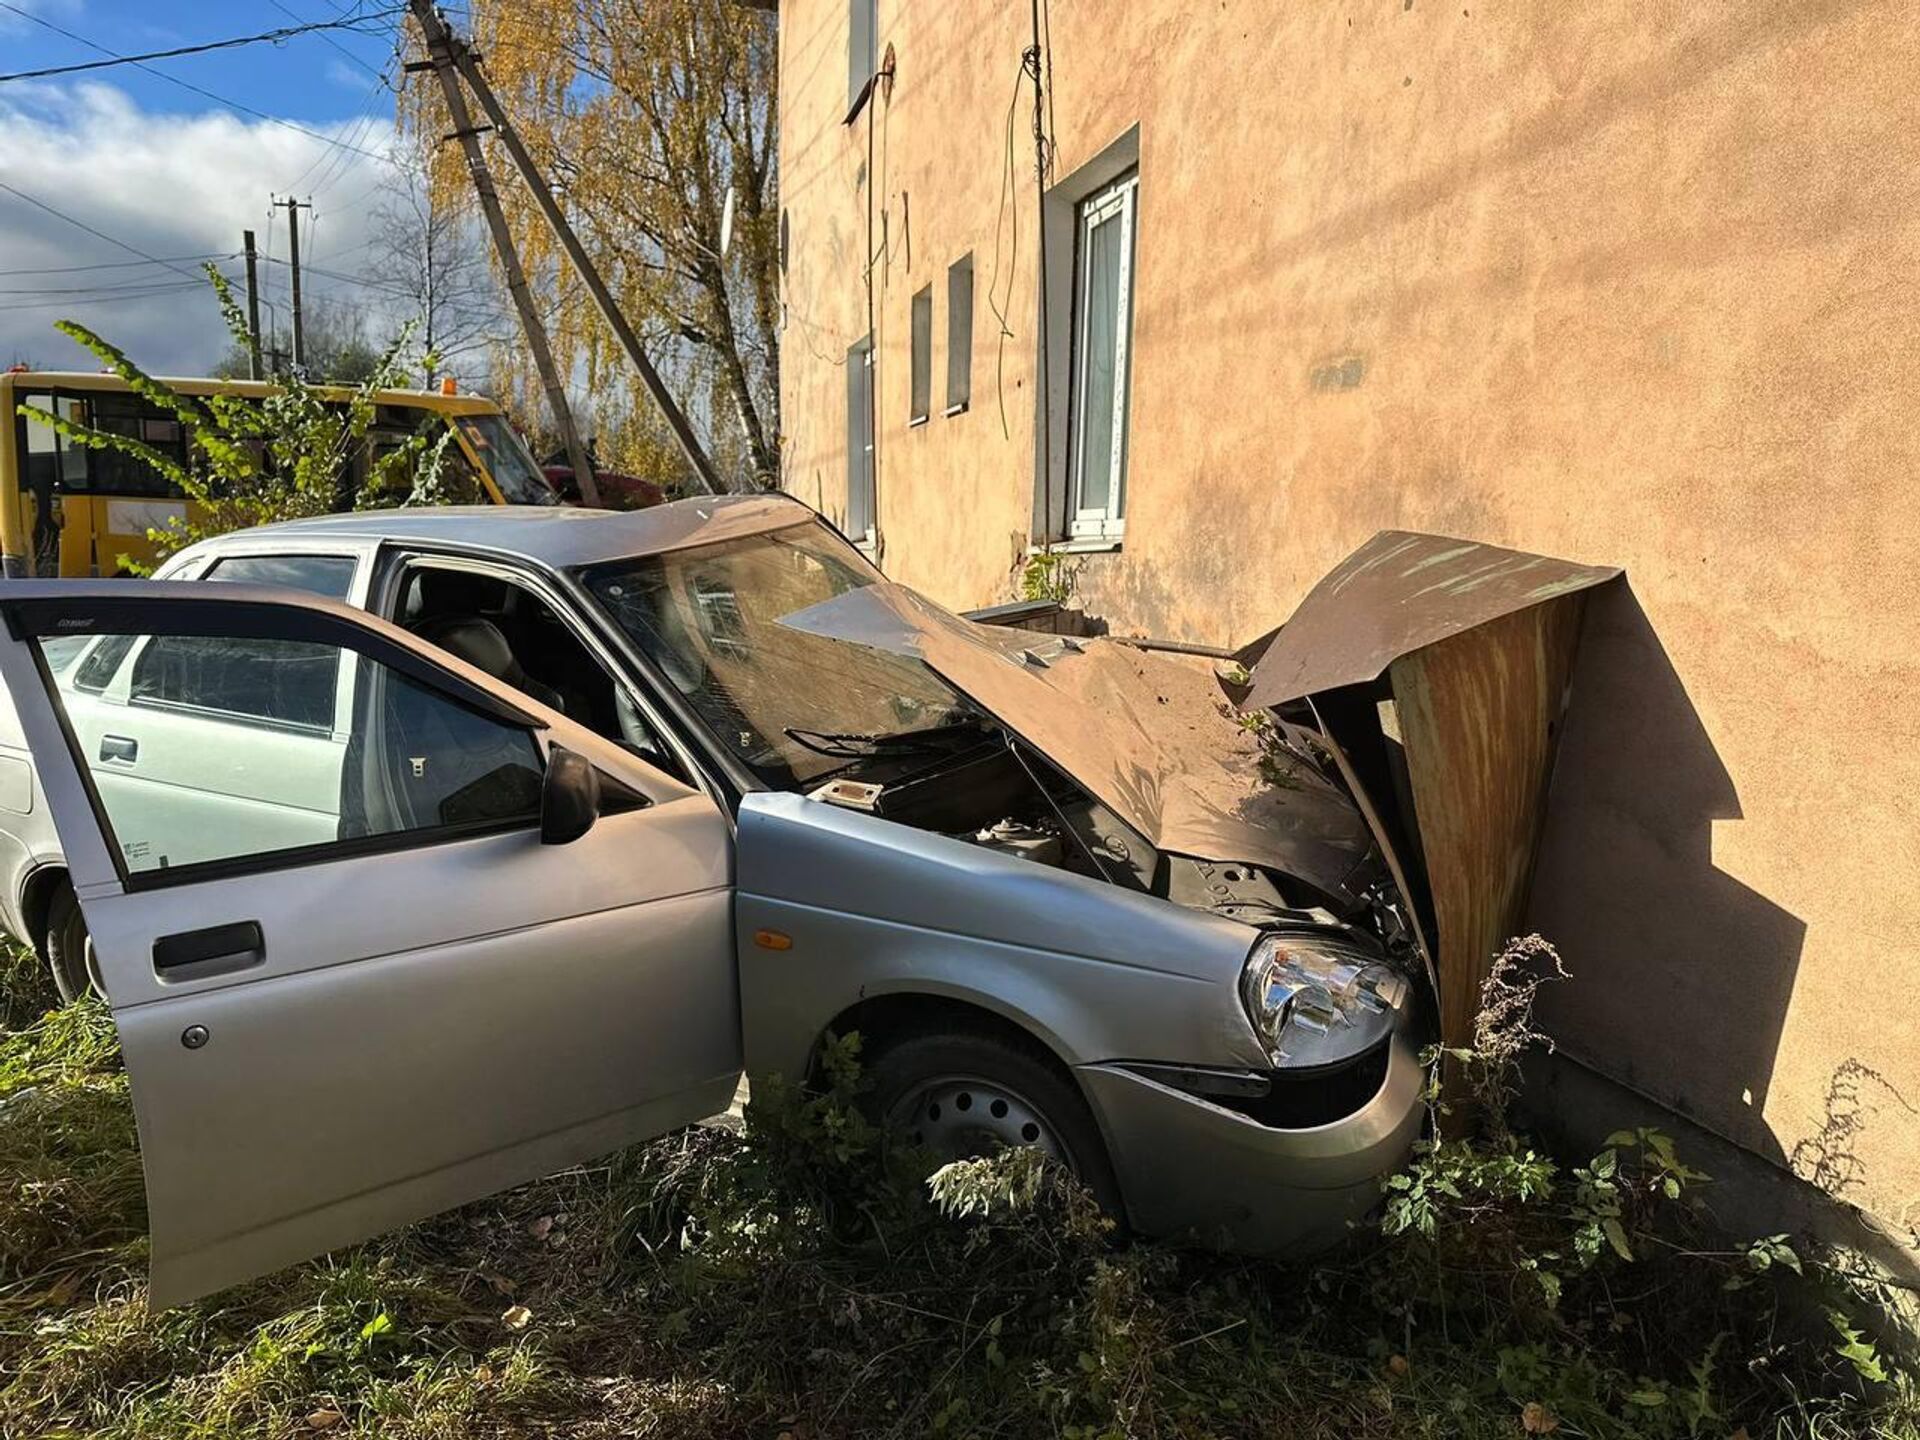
[796, 1279]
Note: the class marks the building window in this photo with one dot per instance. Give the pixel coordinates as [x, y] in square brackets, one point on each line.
[922, 356]
[959, 335]
[860, 506]
[1102, 335]
[863, 32]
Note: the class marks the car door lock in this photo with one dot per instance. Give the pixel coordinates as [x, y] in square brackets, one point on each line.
[194, 1036]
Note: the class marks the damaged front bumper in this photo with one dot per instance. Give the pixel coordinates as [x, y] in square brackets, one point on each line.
[1196, 1170]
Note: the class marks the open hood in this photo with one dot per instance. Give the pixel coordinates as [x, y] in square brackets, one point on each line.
[1151, 738]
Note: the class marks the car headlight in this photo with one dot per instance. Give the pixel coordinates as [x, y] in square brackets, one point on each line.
[1318, 997]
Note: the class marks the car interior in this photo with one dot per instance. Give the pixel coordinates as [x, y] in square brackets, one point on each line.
[513, 635]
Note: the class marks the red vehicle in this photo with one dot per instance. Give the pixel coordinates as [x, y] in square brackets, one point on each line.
[617, 491]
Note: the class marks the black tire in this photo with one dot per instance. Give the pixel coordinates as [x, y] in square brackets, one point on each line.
[66, 945]
[923, 1070]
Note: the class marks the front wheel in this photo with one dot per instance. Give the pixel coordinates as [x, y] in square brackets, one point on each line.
[960, 1095]
[69, 948]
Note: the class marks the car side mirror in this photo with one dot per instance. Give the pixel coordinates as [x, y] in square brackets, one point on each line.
[569, 797]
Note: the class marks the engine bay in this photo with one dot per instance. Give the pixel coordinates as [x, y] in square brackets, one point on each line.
[990, 790]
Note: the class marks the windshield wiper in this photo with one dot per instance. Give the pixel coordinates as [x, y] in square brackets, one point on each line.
[861, 747]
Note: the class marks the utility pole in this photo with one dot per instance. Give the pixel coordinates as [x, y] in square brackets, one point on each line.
[253, 306]
[440, 48]
[449, 49]
[294, 207]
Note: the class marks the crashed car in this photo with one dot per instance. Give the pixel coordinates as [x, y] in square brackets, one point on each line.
[439, 849]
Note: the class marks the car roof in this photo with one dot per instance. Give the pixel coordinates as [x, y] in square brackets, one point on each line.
[561, 536]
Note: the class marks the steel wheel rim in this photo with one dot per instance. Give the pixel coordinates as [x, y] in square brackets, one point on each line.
[959, 1117]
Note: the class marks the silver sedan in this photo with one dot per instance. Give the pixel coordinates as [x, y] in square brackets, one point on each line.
[446, 848]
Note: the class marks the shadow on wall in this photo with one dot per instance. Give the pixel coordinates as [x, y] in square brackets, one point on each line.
[1681, 974]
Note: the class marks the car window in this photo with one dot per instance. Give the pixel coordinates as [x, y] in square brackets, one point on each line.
[328, 575]
[96, 672]
[180, 783]
[280, 682]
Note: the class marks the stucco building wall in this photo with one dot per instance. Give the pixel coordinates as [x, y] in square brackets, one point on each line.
[1630, 283]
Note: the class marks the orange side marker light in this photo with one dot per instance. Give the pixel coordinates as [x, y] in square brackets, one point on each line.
[773, 939]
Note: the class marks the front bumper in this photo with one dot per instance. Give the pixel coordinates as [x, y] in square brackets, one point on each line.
[1190, 1169]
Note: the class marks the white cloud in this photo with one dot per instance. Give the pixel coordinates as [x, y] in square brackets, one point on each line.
[168, 185]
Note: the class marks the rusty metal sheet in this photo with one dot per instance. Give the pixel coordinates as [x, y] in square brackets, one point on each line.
[1478, 714]
[1151, 737]
[1396, 593]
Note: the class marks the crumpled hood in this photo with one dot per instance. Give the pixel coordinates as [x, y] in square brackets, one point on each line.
[1151, 738]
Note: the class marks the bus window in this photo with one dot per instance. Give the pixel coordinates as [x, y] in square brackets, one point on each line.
[41, 478]
[73, 458]
[115, 473]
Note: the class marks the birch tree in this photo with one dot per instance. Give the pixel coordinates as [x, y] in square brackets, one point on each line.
[644, 115]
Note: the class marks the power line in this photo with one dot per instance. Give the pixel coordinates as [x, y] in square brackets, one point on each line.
[292, 14]
[233, 105]
[172, 287]
[98, 234]
[94, 289]
[117, 264]
[286, 32]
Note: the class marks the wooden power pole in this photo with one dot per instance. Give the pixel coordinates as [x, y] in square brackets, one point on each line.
[253, 306]
[440, 48]
[294, 207]
[448, 49]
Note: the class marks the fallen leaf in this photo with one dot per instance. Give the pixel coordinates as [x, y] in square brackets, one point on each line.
[483, 1375]
[498, 1283]
[539, 1228]
[1536, 1419]
[516, 1317]
[324, 1419]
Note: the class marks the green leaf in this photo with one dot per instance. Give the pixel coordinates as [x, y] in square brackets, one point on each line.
[1616, 1237]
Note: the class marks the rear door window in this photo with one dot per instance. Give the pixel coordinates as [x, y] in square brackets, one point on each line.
[328, 575]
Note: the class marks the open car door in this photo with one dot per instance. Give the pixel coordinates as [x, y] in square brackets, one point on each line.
[353, 983]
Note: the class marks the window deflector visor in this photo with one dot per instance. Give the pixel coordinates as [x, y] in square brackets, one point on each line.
[241, 612]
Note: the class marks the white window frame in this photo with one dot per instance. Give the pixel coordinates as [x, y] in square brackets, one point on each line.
[1116, 204]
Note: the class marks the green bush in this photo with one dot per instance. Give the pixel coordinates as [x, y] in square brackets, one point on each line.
[800, 1275]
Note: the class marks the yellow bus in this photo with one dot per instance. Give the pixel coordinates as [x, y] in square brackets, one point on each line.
[67, 510]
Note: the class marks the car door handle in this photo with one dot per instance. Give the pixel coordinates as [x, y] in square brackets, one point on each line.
[214, 951]
[119, 747]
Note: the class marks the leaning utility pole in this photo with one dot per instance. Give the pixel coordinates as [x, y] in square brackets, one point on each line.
[441, 41]
[294, 207]
[440, 48]
[253, 306]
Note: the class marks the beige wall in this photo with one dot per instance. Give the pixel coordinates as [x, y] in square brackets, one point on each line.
[1630, 284]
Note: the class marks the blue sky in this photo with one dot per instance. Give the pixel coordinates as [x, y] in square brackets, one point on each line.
[165, 173]
[308, 78]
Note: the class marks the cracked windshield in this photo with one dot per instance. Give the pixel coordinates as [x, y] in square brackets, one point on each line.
[793, 706]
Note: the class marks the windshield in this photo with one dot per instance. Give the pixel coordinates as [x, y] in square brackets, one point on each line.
[709, 618]
[505, 455]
